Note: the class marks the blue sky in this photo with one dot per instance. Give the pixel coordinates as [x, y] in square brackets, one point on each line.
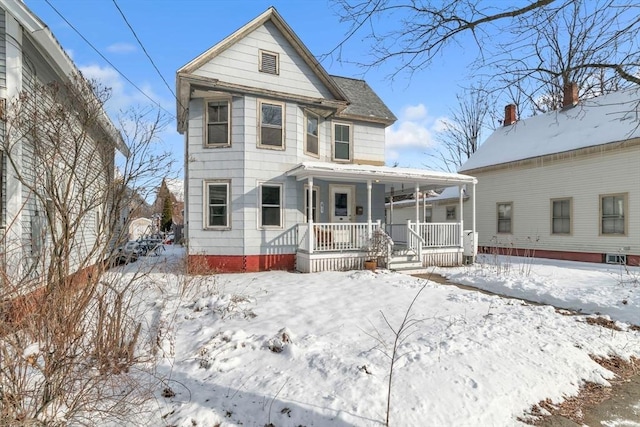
[175, 31]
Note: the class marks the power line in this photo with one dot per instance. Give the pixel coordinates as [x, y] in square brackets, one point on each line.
[107, 61]
[144, 50]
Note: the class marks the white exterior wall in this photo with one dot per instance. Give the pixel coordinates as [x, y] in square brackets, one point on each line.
[239, 65]
[369, 140]
[583, 178]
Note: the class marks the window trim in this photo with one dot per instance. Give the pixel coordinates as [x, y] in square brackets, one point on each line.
[304, 202]
[625, 213]
[205, 141]
[498, 218]
[205, 203]
[282, 105]
[306, 134]
[261, 53]
[261, 185]
[551, 217]
[333, 141]
[455, 213]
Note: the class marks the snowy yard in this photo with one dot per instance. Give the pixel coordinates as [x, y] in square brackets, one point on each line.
[309, 349]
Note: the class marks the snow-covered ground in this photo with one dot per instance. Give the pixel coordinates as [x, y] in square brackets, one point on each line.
[312, 349]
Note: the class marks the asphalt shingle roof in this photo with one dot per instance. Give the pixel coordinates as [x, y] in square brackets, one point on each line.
[363, 100]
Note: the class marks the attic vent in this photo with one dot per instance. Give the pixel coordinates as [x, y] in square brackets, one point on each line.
[269, 62]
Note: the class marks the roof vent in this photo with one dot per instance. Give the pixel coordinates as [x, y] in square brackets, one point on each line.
[269, 62]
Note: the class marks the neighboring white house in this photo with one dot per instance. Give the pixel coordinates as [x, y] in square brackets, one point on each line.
[272, 137]
[30, 59]
[565, 184]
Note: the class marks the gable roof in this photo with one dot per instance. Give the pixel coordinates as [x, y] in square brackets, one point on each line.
[605, 119]
[364, 103]
[271, 14]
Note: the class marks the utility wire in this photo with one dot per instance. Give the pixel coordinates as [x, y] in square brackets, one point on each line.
[144, 49]
[108, 62]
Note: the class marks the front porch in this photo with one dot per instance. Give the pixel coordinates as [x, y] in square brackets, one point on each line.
[337, 246]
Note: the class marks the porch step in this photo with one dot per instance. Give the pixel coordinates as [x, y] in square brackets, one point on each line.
[403, 263]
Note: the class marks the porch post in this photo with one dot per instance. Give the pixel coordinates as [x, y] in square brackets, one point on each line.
[461, 200]
[310, 232]
[473, 218]
[417, 203]
[369, 229]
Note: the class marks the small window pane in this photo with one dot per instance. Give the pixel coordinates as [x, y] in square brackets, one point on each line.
[217, 122]
[342, 151]
[271, 114]
[270, 195]
[504, 217]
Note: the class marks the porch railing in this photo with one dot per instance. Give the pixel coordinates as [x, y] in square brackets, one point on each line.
[438, 234]
[331, 237]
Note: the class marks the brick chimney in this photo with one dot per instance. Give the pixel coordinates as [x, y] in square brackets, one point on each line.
[509, 115]
[570, 98]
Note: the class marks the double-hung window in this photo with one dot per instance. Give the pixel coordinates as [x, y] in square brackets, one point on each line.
[217, 129]
[450, 213]
[270, 206]
[271, 129]
[342, 141]
[561, 216]
[612, 213]
[311, 136]
[217, 196]
[505, 211]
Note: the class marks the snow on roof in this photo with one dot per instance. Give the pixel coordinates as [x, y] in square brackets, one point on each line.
[449, 193]
[176, 187]
[609, 118]
[388, 174]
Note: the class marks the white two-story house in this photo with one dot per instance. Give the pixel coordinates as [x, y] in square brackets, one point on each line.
[284, 163]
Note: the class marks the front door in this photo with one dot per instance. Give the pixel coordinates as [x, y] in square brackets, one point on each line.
[341, 203]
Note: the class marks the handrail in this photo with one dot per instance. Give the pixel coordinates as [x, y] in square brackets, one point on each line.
[415, 241]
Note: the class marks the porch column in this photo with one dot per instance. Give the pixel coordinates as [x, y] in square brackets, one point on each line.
[310, 233]
[417, 203]
[369, 230]
[461, 200]
[473, 217]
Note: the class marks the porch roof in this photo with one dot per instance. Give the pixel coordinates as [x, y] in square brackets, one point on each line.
[382, 174]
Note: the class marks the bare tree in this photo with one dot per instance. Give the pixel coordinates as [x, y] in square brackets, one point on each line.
[582, 43]
[70, 328]
[422, 29]
[461, 132]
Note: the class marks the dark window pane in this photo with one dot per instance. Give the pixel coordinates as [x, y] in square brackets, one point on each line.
[271, 216]
[217, 194]
[218, 215]
[312, 144]
[270, 195]
[342, 151]
[217, 134]
[271, 136]
[342, 133]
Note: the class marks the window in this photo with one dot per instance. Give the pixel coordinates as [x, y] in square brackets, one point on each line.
[561, 216]
[217, 117]
[217, 205]
[270, 205]
[314, 209]
[269, 62]
[612, 214]
[311, 135]
[271, 129]
[451, 212]
[428, 215]
[504, 217]
[341, 141]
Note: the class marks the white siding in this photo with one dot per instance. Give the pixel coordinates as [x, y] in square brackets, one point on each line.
[238, 64]
[583, 178]
[368, 142]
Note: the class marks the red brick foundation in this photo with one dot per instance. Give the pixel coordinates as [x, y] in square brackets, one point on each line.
[203, 264]
[562, 255]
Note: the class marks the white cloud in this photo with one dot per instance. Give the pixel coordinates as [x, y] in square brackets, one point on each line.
[123, 95]
[121, 48]
[414, 129]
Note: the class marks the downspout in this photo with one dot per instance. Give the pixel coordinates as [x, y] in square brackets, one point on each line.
[473, 220]
[461, 201]
[369, 225]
